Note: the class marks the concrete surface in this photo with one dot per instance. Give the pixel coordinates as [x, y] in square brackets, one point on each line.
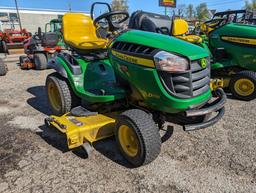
[34, 158]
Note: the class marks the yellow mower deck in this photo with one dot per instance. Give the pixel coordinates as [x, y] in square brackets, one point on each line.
[80, 130]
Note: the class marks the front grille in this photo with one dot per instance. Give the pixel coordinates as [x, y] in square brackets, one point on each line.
[133, 48]
[189, 84]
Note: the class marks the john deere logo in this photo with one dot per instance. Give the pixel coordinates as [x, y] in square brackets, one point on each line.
[203, 63]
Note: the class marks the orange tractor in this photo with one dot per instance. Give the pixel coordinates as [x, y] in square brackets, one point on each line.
[12, 39]
[42, 47]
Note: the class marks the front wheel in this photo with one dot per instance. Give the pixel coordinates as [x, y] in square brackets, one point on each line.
[60, 96]
[138, 137]
[40, 60]
[243, 85]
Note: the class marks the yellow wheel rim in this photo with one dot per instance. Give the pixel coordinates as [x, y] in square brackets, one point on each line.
[54, 96]
[244, 87]
[128, 140]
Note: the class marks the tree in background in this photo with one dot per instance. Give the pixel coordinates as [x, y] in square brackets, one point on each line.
[202, 12]
[181, 9]
[250, 5]
[119, 5]
[190, 12]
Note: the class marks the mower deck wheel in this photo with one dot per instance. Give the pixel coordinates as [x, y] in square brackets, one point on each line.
[3, 68]
[60, 96]
[243, 85]
[87, 148]
[40, 60]
[138, 137]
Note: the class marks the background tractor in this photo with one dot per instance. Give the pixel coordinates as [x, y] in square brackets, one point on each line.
[222, 18]
[127, 84]
[43, 46]
[12, 39]
[55, 25]
[231, 42]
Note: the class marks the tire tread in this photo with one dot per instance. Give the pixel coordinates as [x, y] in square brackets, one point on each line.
[70, 99]
[3, 68]
[147, 131]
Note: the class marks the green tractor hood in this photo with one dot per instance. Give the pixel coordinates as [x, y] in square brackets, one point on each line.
[163, 42]
[238, 30]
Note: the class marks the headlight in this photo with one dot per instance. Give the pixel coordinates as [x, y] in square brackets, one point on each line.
[169, 62]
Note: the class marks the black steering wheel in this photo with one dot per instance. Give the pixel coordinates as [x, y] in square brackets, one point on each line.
[38, 35]
[112, 26]
[214, 22]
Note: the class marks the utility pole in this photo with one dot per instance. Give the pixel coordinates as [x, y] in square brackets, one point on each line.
[18, 14]
[69, 7]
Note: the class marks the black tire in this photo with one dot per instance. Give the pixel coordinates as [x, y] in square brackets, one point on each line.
[147, 136]
[3, 68]
[1, 46]
[250, 76]
[21, 59]
[4, 48]
[40, 61]
[68, 99]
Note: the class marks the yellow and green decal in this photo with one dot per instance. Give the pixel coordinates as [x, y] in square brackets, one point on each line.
[134, 59]
[239, 40]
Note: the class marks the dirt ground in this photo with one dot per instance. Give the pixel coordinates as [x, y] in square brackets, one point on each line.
[35, 159]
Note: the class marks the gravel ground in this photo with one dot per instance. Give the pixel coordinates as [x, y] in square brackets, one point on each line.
[34, 158]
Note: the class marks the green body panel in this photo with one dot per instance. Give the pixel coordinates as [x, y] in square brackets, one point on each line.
[205, 45]
[92, 78]
[144, 81]
[163, 42]
[239, 54]
[151, 91]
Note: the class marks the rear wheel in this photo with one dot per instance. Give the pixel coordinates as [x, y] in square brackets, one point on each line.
[3, 68]
[138, 137]
[60, 96]
[4, 48]
[40, 60]
[243, 85]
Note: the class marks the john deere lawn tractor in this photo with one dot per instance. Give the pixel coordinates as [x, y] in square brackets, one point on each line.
[231, 44]
[42, 46]
[232, 16]
[127, 84]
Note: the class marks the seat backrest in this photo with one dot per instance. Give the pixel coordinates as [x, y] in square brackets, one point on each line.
[79, 32]
[180, 27]
[50, 39]
[152, 22]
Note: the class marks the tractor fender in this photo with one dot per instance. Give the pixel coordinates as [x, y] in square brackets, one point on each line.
[55, 64]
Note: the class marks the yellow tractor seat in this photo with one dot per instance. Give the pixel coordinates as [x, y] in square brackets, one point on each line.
[79, 32]
[180, 30]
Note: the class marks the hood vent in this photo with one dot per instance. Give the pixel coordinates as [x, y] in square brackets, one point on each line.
[133, 48]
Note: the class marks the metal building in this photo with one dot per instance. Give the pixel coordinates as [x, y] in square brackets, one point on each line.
[31, 19]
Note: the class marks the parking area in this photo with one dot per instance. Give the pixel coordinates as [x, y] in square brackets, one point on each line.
[34, 158]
